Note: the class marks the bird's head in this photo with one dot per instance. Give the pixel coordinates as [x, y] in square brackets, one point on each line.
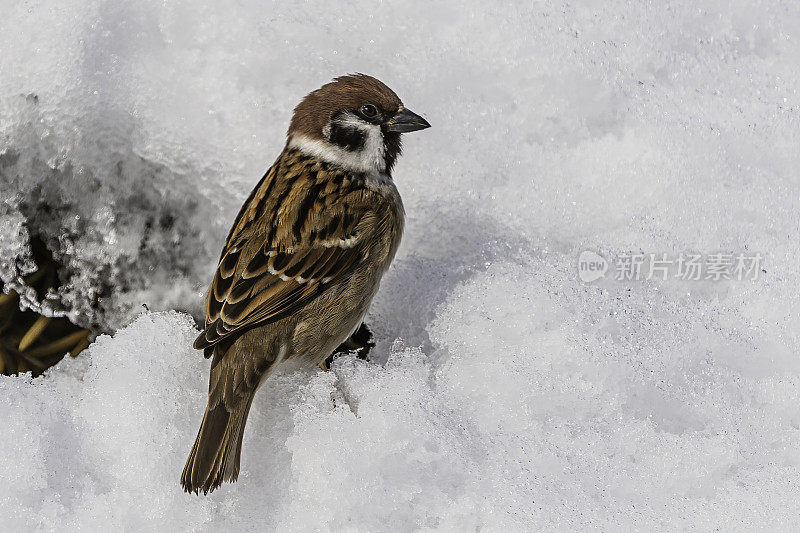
[355, 121]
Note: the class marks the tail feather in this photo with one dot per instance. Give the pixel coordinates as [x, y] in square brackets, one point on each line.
[217, 450]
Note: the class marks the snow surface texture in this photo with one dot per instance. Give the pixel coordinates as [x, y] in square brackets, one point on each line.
[506, 394]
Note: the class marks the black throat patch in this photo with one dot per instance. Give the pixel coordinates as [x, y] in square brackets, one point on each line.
[392, 149]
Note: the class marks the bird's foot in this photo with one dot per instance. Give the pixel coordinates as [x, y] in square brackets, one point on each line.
[360, 342]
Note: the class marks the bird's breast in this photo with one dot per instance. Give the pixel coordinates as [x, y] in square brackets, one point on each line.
[391, 214]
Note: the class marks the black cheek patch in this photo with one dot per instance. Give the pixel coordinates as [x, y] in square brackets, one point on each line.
[347, 137]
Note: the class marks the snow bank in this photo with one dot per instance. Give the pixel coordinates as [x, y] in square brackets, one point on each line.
[506, 394]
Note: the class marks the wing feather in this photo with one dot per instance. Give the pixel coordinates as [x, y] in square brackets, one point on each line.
[307, 239]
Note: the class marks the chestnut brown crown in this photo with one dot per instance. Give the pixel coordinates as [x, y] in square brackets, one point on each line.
[345, 93]
[353, 122]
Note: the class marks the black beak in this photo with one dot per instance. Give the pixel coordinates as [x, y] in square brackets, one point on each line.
[405, 121]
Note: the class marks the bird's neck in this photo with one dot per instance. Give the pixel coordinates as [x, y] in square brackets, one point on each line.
[368, 159]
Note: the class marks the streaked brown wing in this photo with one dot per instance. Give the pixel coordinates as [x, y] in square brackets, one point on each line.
[298, 234]
[273, 285]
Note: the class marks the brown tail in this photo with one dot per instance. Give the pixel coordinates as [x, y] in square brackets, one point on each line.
[217, 449]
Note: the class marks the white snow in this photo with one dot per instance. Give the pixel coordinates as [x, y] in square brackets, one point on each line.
[505, 394]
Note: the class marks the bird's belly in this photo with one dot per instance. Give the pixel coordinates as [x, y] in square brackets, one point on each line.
[334, 316]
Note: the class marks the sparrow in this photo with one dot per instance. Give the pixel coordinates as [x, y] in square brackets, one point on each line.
[303, 259]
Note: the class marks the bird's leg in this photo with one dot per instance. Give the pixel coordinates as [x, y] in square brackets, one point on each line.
[360, 342]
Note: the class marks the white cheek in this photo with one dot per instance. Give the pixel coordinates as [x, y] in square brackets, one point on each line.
[369, 159]
[374, 149]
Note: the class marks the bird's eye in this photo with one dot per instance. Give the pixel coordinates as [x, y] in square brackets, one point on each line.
[369, 110]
